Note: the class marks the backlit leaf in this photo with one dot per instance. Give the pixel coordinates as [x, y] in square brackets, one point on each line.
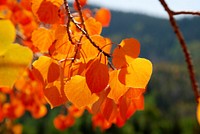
[117, 88]
[46, 69]
[46, 10]
[55, 94]
[78, 92]
[137, 74]
[89, 51]
[13, 62]
[127, 50]
[7, 33]
[198, 111]
[97, 76]
[103, 15]
[93, 27]
[42, 39]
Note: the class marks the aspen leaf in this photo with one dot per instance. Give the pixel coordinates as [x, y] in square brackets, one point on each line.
[93, 27]
[109, 109]
[137, 74]
[78, 92]
[89, 51]
[134, 93]
[55, 95]
[97, 76]
[46, 69]
[13, 61]
[124, 105]
[103, 15]
[46, 10]
[42, 39]
[127, 50]
[117, 88]
[198, 111]
[97, 105]
[7, 32]
[139, 103]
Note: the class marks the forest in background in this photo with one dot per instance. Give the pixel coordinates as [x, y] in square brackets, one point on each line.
[169, 100]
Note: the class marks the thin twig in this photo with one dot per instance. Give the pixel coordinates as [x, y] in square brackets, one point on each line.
[185, 12]
[84, 30]
[184, 48]
[68, 21]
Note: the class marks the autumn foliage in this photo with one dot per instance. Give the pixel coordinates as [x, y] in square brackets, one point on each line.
[52, 54]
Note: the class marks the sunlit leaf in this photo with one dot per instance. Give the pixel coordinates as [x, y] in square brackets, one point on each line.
[93, 27]
[198, 111]
[89, 51]
[97, 76]
[103, 15]
[78, 92]
[7, 33]
[55, 95]
[127, 50]
[137, 74]
[13, 62]
[42, 39]
[46, 69]
[117, 88]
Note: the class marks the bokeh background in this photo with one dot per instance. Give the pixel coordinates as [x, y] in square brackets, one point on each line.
[170, 106]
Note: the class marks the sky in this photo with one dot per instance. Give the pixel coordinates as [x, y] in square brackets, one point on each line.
[149, 7]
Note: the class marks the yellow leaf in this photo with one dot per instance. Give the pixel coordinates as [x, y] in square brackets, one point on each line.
[7, 33]
[117, 88]
[137, 74]
[13, 61]
[78, 92]
[198, 111]
[46, 69]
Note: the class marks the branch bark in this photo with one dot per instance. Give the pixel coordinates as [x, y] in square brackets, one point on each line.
[183, 46]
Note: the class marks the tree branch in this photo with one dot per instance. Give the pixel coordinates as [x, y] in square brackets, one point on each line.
[184, 48]
[185, 12]
[83, 30]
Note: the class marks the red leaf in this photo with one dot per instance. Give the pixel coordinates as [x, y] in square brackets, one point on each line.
[97, 76]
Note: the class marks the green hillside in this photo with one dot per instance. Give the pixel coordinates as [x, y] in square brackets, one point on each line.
[158, 41]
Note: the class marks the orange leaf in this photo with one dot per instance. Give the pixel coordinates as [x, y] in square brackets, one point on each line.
[46, 10]
[127, 50]
[78, 92]
[93, 27]
[46, 69]
[97, 76]
[103, 15]
[139, 103]
[89, 51]
[117, 88]
[137, 74]
[198, 111]
[97, 105]
[42, 39]
[55, 94]
[109, 109]
[134, 93]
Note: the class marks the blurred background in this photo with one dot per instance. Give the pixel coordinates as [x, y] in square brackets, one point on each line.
[170, 106]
